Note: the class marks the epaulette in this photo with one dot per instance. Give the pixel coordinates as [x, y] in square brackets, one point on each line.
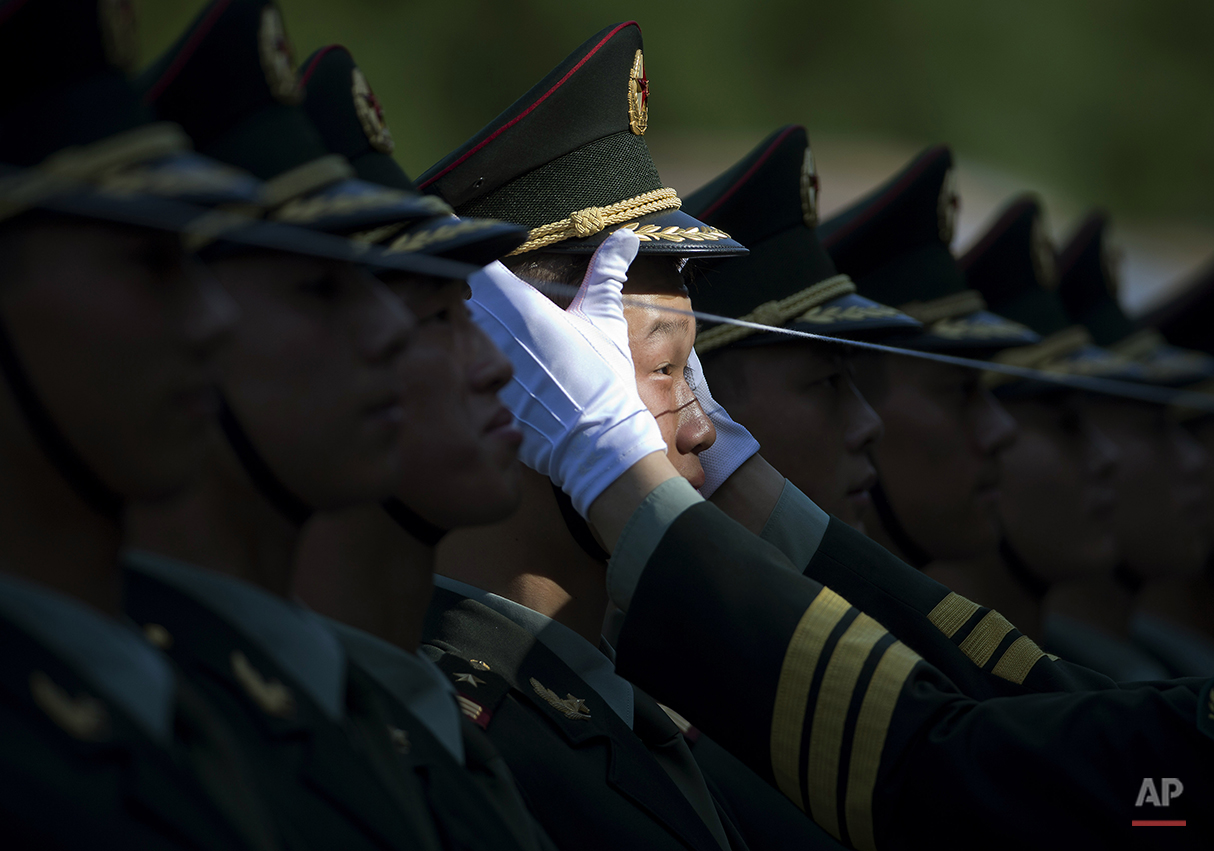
[480, 690]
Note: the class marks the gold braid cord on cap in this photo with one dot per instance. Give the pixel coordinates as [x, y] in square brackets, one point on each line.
[591, 220]
[776, 313]
[949, 307]
[1139, 344]
[1044, 355]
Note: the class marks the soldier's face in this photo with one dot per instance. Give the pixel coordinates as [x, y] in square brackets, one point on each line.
[1160, 509]
[314, 374]
[1056, 495]
[118, 332]
[801, 404]
[661, 345]
[460, 443]
[939, 458]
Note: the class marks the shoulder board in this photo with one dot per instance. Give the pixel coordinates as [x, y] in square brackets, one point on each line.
[479, 690]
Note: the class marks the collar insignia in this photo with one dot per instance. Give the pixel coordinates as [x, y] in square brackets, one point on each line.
[948, 207]
[83, 717]
[638, 96]
[573, 708]
[271, 696]
[371, 114]
[471, 679]
[809, 189]
[118, 32]
[478, 664]
[275, 52]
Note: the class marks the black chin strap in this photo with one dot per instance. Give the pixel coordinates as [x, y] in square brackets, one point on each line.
[579, 528]
[413, 523]
[288, 504]
[912, 552]
[95, 493]
[1034, 585]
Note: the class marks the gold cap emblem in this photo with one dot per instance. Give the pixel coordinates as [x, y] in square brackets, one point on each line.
[275, 52]
[371, 114]
[1045, 264]
[119, 34]
[809, 189]
[638, 96]
[948, 207]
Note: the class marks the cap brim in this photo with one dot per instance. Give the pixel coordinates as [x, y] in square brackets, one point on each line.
[1088, 361]
[187, 177]
[850, 316]
[980, 330]
[352, 205]
[670, 232]
[1170, 366]
[477, 242]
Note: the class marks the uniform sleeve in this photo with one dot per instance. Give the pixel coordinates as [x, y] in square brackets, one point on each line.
[974, 646]
[876, 745]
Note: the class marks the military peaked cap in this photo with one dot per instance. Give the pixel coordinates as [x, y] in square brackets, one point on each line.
[1187, 319]
[1014, 266]
[345, 111]
[569, 160]
[229, 80]
[1089, 290]
[769, 201]
[97, 150]
[894, 243]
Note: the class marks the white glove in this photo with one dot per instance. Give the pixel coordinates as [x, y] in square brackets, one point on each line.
[734, 444]
[574, 391]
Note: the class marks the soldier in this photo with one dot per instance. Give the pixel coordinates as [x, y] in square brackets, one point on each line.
[372, 570]
[312, 420]
[108, 351]
[938, 462]
[1175, 619]
[816, 697]
[517, 616]
[797, 397]
[1160, 506]
[1055, 495]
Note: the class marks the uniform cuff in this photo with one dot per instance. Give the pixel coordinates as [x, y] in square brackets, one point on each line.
[796, 526]
[643, 533]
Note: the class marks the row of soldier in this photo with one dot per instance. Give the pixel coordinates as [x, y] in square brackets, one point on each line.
[272, 574]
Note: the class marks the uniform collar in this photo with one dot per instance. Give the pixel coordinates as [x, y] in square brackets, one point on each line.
[590, 664]
[107, 653]
[297, 642]
[412, 679]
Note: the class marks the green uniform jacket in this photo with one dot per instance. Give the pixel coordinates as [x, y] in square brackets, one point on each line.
[74, 770]
[329, 785]
[590, 780]
[877, 745]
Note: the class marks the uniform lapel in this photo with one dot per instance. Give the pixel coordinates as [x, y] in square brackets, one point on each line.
[539, 678]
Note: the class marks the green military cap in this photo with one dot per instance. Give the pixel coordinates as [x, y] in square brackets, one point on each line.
[1088, 289]
[345, 111]
[75, 136]
[230, 82]
[894, 243]
[769, 201]
[569, 160]
[1014, 266]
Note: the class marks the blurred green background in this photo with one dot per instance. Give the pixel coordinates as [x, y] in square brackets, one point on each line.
[1091, 102]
